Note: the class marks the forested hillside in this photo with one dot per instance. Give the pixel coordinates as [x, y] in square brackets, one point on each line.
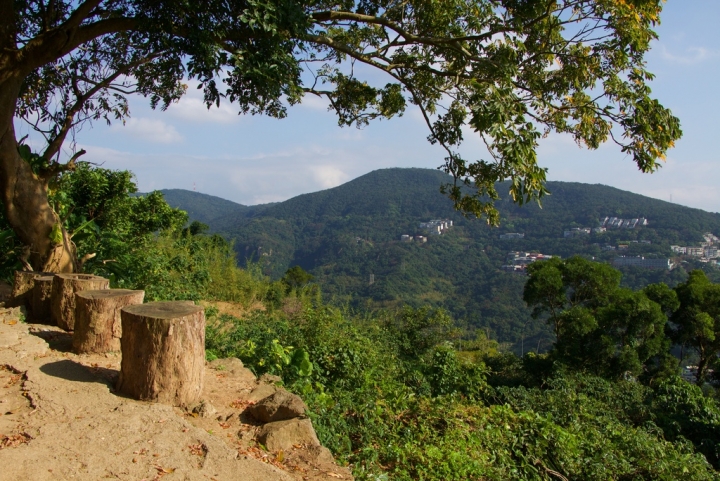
[398, 394]
[347, 234]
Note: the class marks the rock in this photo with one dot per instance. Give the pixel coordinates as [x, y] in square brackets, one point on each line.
[278, 406]
[269, 379]
[261, 392]
[229, 364]
[204, 409]
[320, 454]
[233, 367]
[19, 313]
[283, 435]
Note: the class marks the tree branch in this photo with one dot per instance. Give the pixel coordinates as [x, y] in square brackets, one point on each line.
[81, 13]
[57, 142]
[58, 42]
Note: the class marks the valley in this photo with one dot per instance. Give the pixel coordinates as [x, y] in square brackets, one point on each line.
[350, 238]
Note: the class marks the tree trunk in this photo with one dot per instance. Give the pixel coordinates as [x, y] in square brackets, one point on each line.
[163, 352]
[25, 195]
[41, 308]
[63, 296]
[23, 287]
[98, 326]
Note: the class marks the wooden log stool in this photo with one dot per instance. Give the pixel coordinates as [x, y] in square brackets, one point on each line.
[41, 293]
[163, 352]
[62, 300]
[23, 286]
[98, 325]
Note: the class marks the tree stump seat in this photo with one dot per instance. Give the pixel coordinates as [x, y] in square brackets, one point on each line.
[63, 296]
[23, 284]
[163, 352]
[41, 307]
[98, 323]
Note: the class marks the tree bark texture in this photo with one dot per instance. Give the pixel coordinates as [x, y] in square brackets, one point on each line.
[24, 194]
[98, 325]
[163, 352]
[23, 287]
[40, 307]
[63, 296]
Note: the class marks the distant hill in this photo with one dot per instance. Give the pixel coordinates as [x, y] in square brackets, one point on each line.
[350, 235]
[210, 209]
[202, 207]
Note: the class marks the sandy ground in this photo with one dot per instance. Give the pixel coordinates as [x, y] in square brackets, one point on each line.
[60, 419]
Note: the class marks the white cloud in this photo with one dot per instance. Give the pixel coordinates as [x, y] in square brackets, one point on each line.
[328, 176]
[313, 102]
[691, 56]
[192, 108]
[149, 130]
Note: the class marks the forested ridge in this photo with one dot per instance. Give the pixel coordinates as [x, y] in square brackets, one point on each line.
[401, 393]
[345, 234]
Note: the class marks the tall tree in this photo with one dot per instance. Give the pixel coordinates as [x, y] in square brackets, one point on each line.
[511, 70]
[696, 324]
[599, 326]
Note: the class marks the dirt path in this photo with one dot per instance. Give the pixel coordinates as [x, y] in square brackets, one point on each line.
[59, 419]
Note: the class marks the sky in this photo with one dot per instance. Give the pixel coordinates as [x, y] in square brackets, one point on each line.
[253, 159]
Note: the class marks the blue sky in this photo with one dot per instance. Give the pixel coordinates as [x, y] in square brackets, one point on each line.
[254, 160]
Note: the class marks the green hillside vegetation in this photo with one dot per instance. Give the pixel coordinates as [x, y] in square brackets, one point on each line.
[399, 395]
[346, 234]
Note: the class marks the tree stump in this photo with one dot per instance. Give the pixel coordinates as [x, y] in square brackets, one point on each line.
[22, 287]
[163, 352]
[62, 301]
[41, 292]
[98, 325]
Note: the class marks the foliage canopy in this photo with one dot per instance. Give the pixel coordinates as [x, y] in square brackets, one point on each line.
[509, 70]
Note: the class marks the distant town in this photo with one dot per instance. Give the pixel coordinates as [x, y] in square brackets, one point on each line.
[605, 224]
[517, 261]
[708, 251]
[432, 227]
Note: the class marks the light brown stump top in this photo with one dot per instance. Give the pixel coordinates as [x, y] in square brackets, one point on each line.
[81, 277]
[164, 309]
[105, 293]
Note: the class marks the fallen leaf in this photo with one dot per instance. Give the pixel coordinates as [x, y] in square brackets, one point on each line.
[334, 475]
[198, 449]
[163, 471]
[14, 440]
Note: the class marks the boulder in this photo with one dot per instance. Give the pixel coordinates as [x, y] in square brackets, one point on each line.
[234, 369]
[261, 392]
[204, 410]
[279, 406]
[283, 435]
[270, 379]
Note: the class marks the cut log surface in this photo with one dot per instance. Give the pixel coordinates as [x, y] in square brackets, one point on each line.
[23, 286]
[41, 292]
[98, 325]
[163, 352]
[63, 296]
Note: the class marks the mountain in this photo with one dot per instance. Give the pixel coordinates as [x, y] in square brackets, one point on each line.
[208, 208]
[202, 207]
[349, 238]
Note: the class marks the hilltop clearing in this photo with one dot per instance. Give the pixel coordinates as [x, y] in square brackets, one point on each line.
[61, 420]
